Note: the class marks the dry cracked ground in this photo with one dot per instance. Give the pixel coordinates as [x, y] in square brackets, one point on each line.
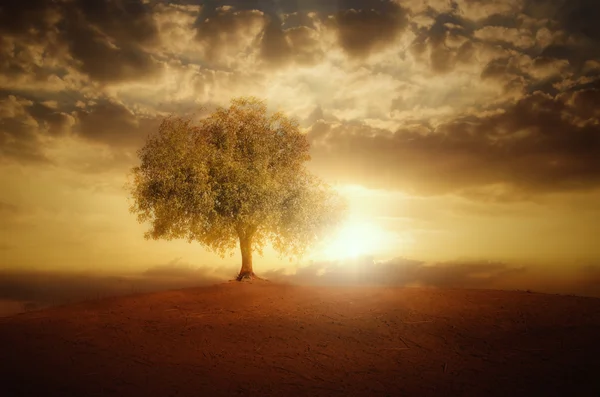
[263, 339]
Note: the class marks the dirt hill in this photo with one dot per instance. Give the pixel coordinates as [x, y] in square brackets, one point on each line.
[260, 339]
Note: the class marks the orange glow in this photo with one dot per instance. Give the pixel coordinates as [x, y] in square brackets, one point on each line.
[357, 238]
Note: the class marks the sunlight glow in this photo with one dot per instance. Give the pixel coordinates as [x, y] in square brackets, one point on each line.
[355, 239]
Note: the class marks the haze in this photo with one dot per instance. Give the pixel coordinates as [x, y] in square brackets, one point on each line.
[465, 135]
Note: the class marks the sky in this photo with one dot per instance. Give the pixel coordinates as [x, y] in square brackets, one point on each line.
[465, 134]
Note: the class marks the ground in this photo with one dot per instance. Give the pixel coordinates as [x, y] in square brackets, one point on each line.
[261, 339]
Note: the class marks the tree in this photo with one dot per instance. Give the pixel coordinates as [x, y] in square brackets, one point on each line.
[238, 175]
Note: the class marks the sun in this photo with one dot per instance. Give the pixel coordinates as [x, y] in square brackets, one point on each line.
[355, 239]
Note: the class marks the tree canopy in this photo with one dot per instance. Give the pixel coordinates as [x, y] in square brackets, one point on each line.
[237, 175]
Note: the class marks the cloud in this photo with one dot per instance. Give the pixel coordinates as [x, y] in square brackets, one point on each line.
[124, 21]
[57, 45]
[540, 144]
[16, 18]
[29, 128]
[293, 39]
[482, 9]
[108, 40]
[175, 24]
[274, 45]
[110, 122]
[38, 289]
[443, 44]
[431, 96]
[578, 16]
[519, 38]
[488, 55]
[361, 31]
[30, 63]
[472, 274]
[400, 272]
[225, 33]
[25, 124]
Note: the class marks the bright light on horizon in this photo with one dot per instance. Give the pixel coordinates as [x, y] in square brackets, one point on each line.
[357, 238]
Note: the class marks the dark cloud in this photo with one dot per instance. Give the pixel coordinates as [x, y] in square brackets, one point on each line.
[19, 18]
[529, 48]
[298, 19]
[20, 65]
[274, 45]
[240, 25]
[112, 123]
[272, 7]
[21, 123]
[26, 125]
[434, 46]
[108, 39]
[580, 16]
[226, 30]
[282, 46]
[574, 27]
[361, 31]
[540, 144]
[123, 20]
[113, 41]
[501, 67]
[515, 31]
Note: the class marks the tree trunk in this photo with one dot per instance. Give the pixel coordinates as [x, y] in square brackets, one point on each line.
[246, 271]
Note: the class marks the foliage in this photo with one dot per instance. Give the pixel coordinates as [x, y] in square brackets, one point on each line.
[236, 175]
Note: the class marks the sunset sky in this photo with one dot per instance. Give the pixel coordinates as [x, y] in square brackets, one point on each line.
[464, 133]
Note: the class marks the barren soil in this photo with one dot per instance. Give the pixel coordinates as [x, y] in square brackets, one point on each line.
[261, 339]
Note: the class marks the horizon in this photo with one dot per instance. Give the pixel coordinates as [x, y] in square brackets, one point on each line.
[29, 290]
[465, 136]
